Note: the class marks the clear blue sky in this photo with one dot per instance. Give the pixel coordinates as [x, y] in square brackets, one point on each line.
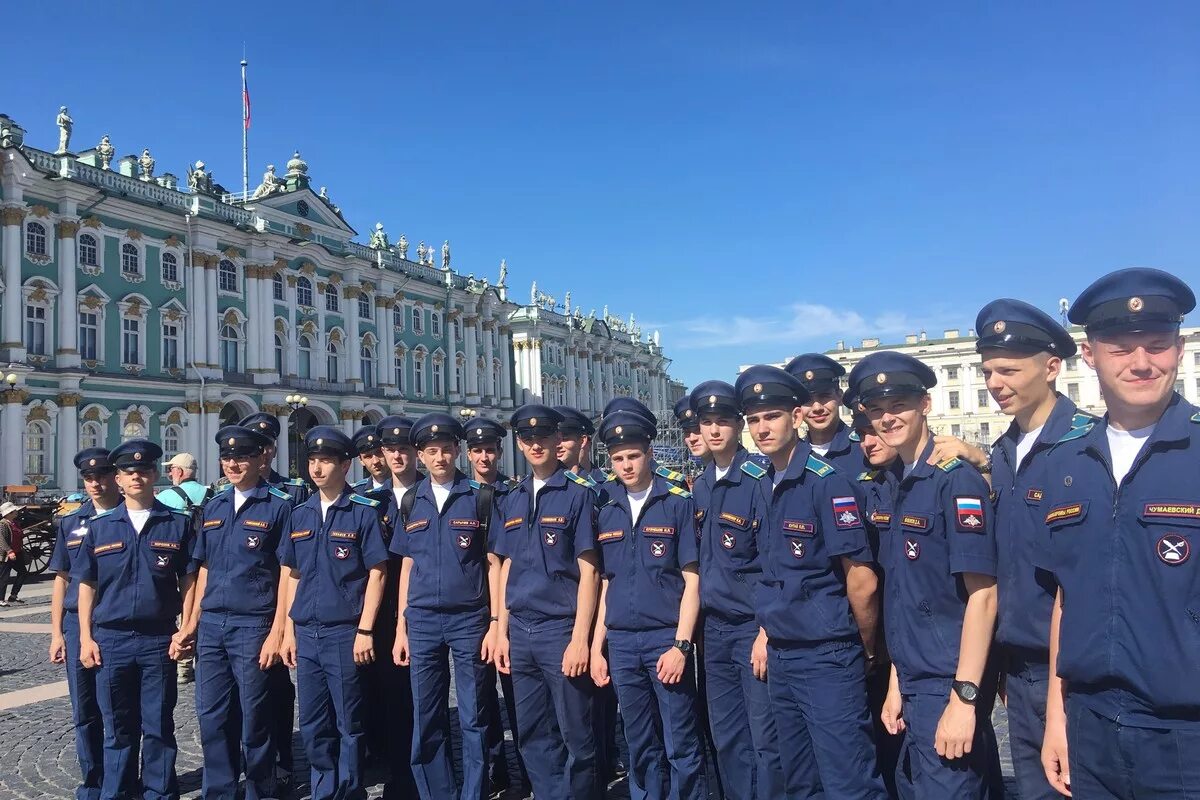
[755, 181]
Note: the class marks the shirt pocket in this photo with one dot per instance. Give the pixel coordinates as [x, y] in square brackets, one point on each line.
[555, 542]
[163, 553]
[466, 537]
[799, 535]
[661, 545]
[1173, 528]
[915, 534]
[344, 549]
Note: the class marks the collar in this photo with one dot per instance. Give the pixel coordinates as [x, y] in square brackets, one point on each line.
[840, 443]
[257, 492]
[797, 464]
[733, 475]
[558, 479]
[275, 478]
[922, 469]
[460, 485]
[157, 511]
[1173, 426]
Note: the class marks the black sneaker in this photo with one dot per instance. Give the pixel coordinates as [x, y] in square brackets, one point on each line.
[16, 600]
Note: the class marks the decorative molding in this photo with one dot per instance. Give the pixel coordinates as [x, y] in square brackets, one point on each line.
[134, 234]
[231, 252]
[40, 211]
[192, 407]
[92, 222]
[172, 241]
[12, 215]
[66, 229]
[213, 406]
[291, 280]
[303, 230]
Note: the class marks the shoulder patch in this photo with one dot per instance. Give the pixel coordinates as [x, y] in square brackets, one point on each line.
[950, 464]
[1076, 433]
[1083, 418]
[364, 501]
[75, 497]
[869, 475]
[294, 482]
[226, 488]
[1196, 417]
[678, 491]
[582, 480]
[181, 512]
[105, 513]
[612, 476]
[279, 493]
[818, 467]
[753, 470]
[853, 436]
[474, 483]
[669, 474]
[67, 507]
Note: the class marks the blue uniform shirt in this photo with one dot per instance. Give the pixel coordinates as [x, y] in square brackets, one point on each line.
[1026, 593]
[297, 489]
[814, 520]
[845, 454]
[1126, 559]
[334, 557]
[240, 549]
[69, 531]
[941, 527]
[448, 548]
[643, 561]
[544, 540]
[730, 515]
[877, 487]
[136, 575]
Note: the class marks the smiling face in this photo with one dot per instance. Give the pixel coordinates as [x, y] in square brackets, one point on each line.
[877, 452]
[821, 413]
[540, 451]
[484, 459]
[1019, 383]
[631, 464]
[242, 471]
[438, 457]
[900, 420]
[773, 428]
[1136, 370]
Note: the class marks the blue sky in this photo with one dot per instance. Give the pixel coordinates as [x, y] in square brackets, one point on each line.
[755, 181]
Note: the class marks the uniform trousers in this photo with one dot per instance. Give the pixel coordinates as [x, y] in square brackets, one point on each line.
[924, 775]
[136, 689]
[390, 717]
[554, 712]
[330, 686]
[85, 714]
[658, 719]
[1026, 682]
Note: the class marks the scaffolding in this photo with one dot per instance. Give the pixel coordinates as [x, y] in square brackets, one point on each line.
[669, 449]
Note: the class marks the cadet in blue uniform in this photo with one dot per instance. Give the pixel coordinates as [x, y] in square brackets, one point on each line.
[634, 406]
[649, 606]
[1022, 350]
[269, 424]
[135, 577]
[484, 444]
[732, 499]
[550, 585]
[240, 624]
[336, 557]
[828, 435]
[575, 451]
[939, 556]
[100, 494]
[448, 585]
[689, 423]
[1121, 503]
[370, 455]
[814, 555]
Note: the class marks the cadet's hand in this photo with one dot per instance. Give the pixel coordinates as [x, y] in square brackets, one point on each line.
[181, 643]
[400, 648]
[1054, 753]
[268, 654]
[952, 447]
[599, 669]
[892, 713]
[955, 730]
[89, 653]
[364, 648]
[501, 653]
[758, 656]
[575, 658]
[487, 650]
[58, 649]
[671, 665]
[287, 650]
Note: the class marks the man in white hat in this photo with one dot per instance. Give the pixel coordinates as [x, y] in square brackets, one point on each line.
[11, 562]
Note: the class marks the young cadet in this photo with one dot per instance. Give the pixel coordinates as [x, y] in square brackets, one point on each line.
[366, 445]
[449, 584]
[575, 445]
[549, 587]
[484, 438]
[296, 488]
[1122, 510]
[135, 577]
[939, 559]
[732, 500]
[1022, 349]
[649, 604]
[827, 435]
[240, 622]
[814, 555]
[336, 559]
[635, 406]
[689, 423]
[100, 494]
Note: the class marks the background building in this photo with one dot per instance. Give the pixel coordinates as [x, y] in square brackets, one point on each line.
[134, 306]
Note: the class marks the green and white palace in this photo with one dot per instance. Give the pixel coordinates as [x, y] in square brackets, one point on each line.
[136, 303]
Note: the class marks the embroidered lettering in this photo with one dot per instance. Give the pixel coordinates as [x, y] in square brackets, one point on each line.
[880, 518]
[734, 518]
[415, 525]
[512, 523]
[608, 536]
[261, 525]
[212, 523]
[915, 521]
[799, 526]
[1034, 495]
[464, 523]
[1176, 510]
[659, 530]
[1065, 512]
[553, 520]
[111, 547]
[301, 534]
[348, 536]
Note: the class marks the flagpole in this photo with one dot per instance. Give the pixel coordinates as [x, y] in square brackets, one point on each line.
[245, 143]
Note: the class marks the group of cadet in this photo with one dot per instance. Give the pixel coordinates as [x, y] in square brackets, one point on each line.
[833, 616]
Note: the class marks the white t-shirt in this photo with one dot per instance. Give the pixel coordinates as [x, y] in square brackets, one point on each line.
[636, 501]
[1125, 446]
[537, 488]
[721, 472]
[441, 493]
[1025, 444]
[399, 492]
[239, 497]
[908, 468]
[138, 518]
[777, 478]
[375, 485]
[325, 508]
[820, 449]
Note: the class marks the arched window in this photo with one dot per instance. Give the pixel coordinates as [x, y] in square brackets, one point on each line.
[91, 434]
[304, 293]
[417, 324]
[37, 448]
[496, 378]
[400, 378]
[171, 344]
[131, 340]
[366, 356]
[35, 239]
[89, 254]
[333, 300]
[332, 359]
[364, 306]
[171, 437]
[305, 346]
[170, 268]
[133, 430]
[277, 286]
[435, 324]
[227, 276]
[398, 317]
[89, 334]
[35, 329]
[230, 346]
[131, 260]
[459, 374]
[280, 347]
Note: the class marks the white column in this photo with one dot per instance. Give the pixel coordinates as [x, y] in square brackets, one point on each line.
[610, 376]
[292, 357]
[192, 429]
[67, 354]
[582, 364]
[634, 383]
[489, 355]
[282, 443]
[12, 216]
[198, 311]
[572, 371]
[348, 429]
[385, 354]
[13, 433]
[254, 321]
[210, 466]
[456, 390]
[353, 334]
[68, 440]
[212, 324]
[470, 333]
[535, 358]
[320, 363]
[506, 374]
[598, 398]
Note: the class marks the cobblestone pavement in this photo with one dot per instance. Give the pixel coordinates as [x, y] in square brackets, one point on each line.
[38, 742]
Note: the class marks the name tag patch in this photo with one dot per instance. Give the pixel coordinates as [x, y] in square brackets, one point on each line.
[513, 523]
[553, 520]
[799, 526]
[75, 542]
[415, 525]
[1172, 510]
[212, 523]
[301, 534]
[608, 536]
[346, 536]
[164, 545]
[464, 523]
[915, 521]
[257, 523]
[880, 518]
[1034, 495]
[111, 547]
[968, 514]
[734, 519]
[658, 530]
[845, 512]
[1061, 513]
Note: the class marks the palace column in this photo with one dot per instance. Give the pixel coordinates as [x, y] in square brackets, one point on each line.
[456, 390]
[13, 436]
[68, 439]
[254, 322]
[12, 217]
[210, 465]
[470, 332]
[572, 371]
[386, 355]
[282, 456]
[354, 345]
[192, 430]
[506, 377]
[489, 354]
[67, 354]
[212, 323]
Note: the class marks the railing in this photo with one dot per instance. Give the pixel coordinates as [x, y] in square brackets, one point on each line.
[322, 385]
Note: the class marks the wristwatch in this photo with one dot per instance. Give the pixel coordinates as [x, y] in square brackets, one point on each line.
[966, 691]
[365, 632]
[684, 646]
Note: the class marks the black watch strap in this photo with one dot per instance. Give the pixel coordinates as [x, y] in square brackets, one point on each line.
[365, 632]
[967, 692]
[683, 645]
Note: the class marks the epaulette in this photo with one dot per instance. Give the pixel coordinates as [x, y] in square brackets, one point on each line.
[183, 512]
[1083, 418]
[582, 480]
[818, 467]
[226, 488]
[363, 482]
[950, 464]
[612, 476]
[1196, 417]
[280, 493]
[293, 482]
[869, 475]
[853, 436]
[364, 501]
[104, 513]
[681, 492]
[67, 507]
[75, 497]
[474, 483]
[669, 474]
[1076, 433]
[753, 470]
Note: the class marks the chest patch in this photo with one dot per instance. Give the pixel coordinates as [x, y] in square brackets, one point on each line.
[1034, 495]
[464, 523]
[515, 522]
[912, 549]
[551, 537]
[658, 530]
[727, 540]
[1173, 549]
[1065, 512]
[162, 560]
[212, 523]
[733, 519]
[301, 534]
[345, 536]
[700, 516]
[968, 514]
[609, 536]
[257, 524]
[797, 548]
[341, 553]
[253, 541]
[464, 540]
[553, 521]
[111, 547]
[915, 521]
[160, 545]
[415, 525]
[799, 526]
[845, 512]
[1172, 510]
[658, 549]
[880, 518]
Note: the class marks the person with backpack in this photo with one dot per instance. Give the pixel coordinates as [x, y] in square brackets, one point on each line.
[188, 495]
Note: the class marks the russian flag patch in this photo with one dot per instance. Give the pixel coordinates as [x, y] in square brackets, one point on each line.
[969, 514]
[845, 512]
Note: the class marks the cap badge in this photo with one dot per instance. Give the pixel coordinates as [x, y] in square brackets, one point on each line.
[433, 429]
[999, 326]
[320, 442]
[137, 456]
[617, 430]
[395, 431]
[712, 399]
[370, 438]
[262, 425]
[881, 377]
[688, 413]
[92, 463]
[758, 388]
[1136, 304]
[808, 376]
[479, 431]
[232, 441]
[533, 422]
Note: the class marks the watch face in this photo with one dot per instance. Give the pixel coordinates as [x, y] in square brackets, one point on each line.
[967, 692]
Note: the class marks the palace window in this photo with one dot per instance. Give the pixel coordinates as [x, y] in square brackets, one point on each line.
[953, 396]
[985, 432]
[435, 324]
[131, 260]
[401, 383]
[1073, 392]
[131, 341]
[230, 349]
[35, 329]
[366, 356]
[364, 307]
[171, 437]
[89, 336]
[333, 301]
[304, 292]
[89, 252]
[170, 268]
[35, 239]
[37, 448]
[439, 378]
[332, 362]
[398, 317]
[983, 399]
[227, 276]
[418, 325]
[951, 373]
[91, 434]
[280, 348]
[277, 286]
[305, 345]
[419, 375]
[170, 344]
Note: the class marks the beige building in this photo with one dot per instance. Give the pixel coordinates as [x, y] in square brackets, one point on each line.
[961, 404]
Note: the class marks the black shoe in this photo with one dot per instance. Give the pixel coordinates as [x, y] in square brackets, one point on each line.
[16, 600]
[498, 784]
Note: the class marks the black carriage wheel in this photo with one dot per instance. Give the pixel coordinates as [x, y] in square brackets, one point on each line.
[38, 555]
